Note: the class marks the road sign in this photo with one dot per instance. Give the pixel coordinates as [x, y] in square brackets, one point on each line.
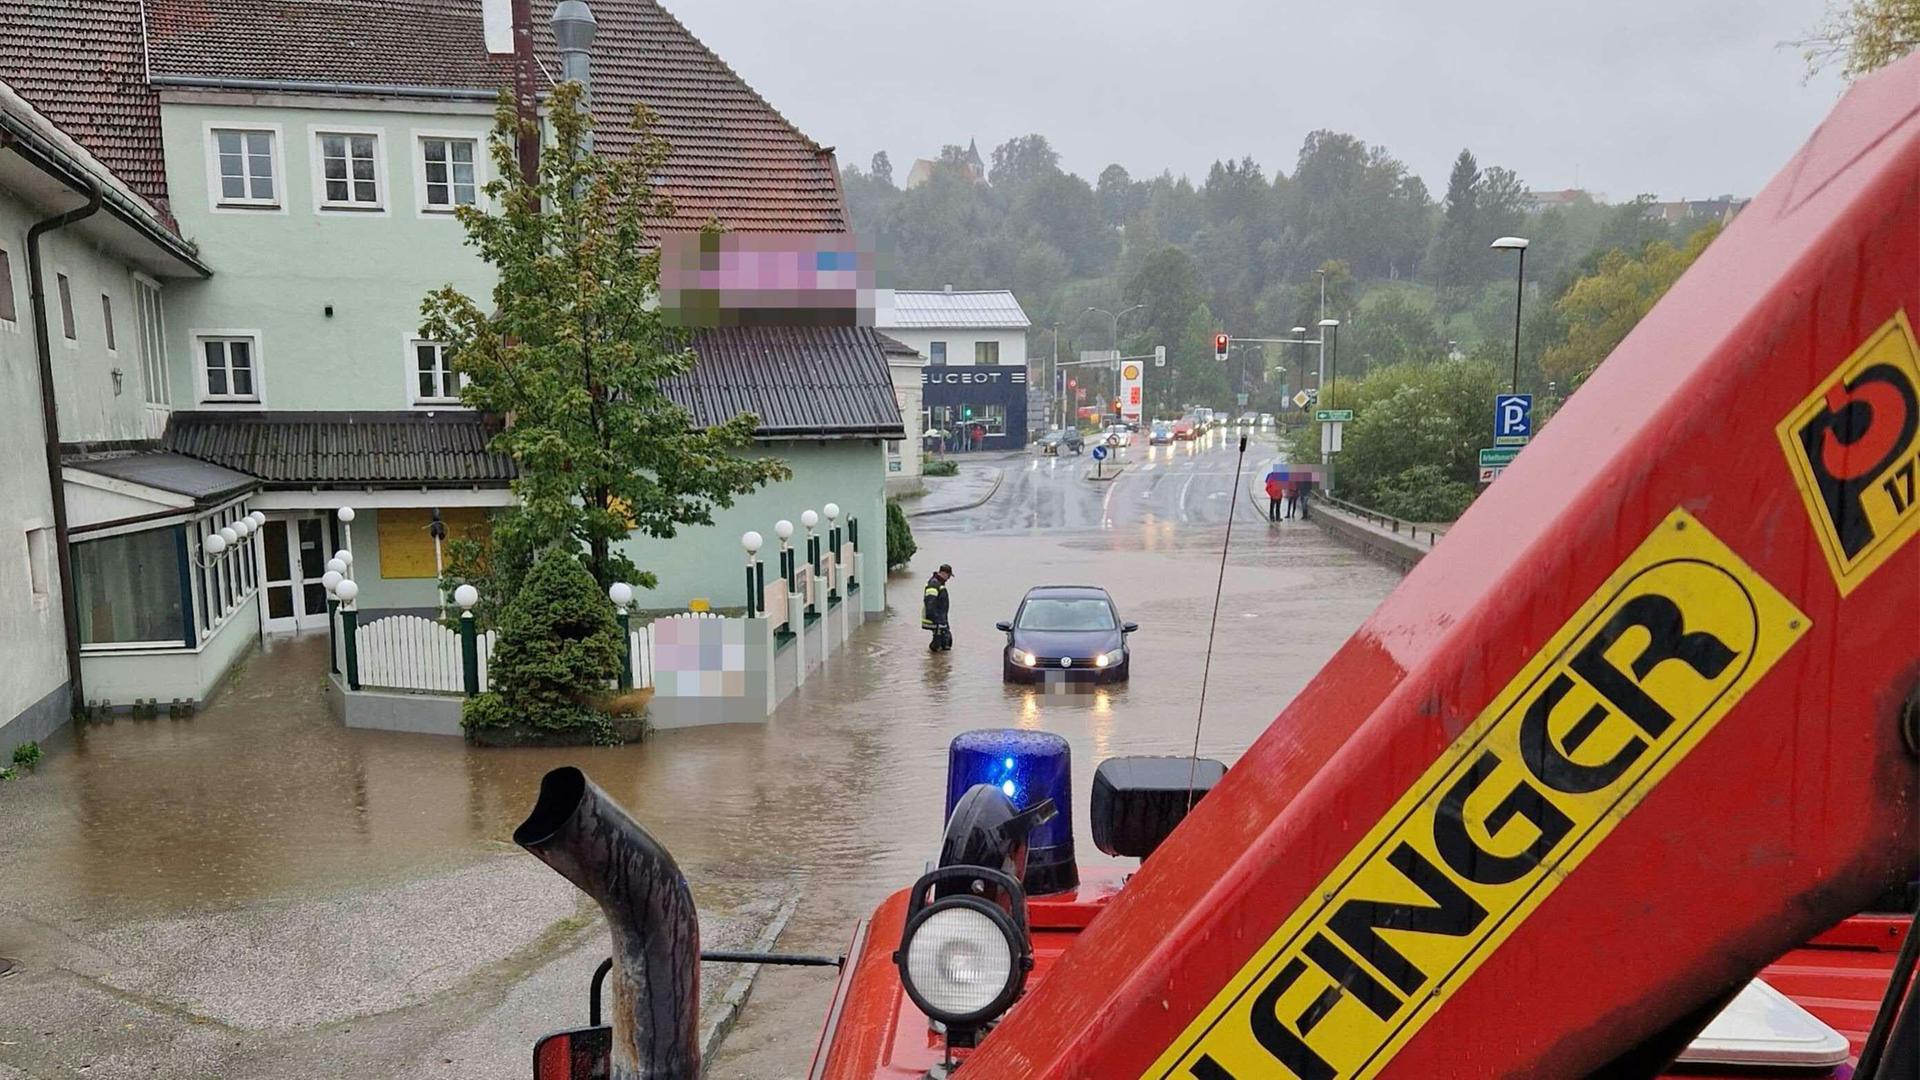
[1512, 419]
[1240, 399]
[1132, 376]
[1099, 453]
[1330, 437]
[1329, 415]
[1301, 399]
[1159, 356]
[1489, 475]
[1498, 457]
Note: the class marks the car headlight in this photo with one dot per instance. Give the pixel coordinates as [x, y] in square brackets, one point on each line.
[960, 961]
[1023, 658]
[1112, 658]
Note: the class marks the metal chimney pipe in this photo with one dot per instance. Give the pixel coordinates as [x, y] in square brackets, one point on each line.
[573, 31]
[586, 837]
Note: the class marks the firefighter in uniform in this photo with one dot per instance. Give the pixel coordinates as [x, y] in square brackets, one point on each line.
[933, 610]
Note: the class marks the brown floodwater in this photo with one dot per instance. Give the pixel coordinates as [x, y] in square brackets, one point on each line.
[263, 795]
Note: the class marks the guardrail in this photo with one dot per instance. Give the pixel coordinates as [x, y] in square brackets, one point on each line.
[1387, 521]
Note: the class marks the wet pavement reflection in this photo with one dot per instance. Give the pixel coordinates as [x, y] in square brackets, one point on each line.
[265, 796]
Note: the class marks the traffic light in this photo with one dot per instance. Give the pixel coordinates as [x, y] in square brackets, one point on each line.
[1221, 343]
[966, 412]
[1073, 384]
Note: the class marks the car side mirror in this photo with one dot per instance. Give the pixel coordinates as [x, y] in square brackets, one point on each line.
[1003, 626]
[1128, 628]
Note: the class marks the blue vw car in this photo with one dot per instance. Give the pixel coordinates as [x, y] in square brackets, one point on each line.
[1066, 632]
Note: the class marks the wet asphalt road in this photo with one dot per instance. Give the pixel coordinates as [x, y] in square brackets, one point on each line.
[175, 881]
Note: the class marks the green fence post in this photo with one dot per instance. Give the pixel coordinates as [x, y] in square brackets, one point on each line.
[469, 654]
[333, 646]
[626, 648]
[349, 628]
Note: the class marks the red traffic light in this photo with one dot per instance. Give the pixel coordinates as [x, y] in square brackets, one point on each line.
[1073, 384]
[1221, 343]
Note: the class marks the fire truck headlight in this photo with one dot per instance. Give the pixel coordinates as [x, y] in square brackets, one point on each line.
[961, 961]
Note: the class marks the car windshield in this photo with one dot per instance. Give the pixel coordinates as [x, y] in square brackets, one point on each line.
[1055, 613]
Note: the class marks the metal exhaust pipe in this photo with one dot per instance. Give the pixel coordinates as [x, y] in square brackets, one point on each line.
[579, 830]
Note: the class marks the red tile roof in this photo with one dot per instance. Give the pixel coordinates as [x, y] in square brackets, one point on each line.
[79, 63]
[734, 158]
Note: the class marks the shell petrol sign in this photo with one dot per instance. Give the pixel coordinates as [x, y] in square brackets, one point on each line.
[1130, 390]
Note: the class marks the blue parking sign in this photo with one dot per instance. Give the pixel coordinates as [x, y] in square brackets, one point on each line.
[1512, 419]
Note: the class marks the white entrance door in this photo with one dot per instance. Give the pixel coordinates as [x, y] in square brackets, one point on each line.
[293, 551]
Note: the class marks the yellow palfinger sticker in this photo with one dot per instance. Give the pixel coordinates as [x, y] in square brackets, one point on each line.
[1627, 687]
[1854, 448]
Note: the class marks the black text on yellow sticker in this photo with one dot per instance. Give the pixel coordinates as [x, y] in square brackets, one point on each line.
[1631, 684]
[1854, 453]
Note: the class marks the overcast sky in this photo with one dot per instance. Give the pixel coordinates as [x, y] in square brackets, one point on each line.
[1682, 98]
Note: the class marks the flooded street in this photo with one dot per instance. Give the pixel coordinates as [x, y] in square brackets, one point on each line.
[150, 865]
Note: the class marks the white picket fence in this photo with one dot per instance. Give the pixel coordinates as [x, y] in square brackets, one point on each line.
[409, 652]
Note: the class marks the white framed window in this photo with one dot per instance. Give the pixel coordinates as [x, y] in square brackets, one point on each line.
[986, 353]
[348, 170]
[246, 167]
[937, 352]
[151, 329]
[449, 172]
[106, 320]
[229, 366]
[431, 374]
[65, 288]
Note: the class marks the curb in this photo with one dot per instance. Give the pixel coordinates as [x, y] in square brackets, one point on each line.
[999, 475]
[716, 1030]
[1111, 471]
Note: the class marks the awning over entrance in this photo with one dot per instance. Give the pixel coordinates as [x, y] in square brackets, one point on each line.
[112, 488]
[347, 450]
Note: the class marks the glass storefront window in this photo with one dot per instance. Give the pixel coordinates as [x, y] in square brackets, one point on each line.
[128, 588]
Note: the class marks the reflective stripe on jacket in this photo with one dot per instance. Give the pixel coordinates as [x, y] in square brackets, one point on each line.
[933, 607]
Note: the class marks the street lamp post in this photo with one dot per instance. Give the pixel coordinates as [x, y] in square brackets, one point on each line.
[1519, 244]
[1116, 338]
[1330, 334]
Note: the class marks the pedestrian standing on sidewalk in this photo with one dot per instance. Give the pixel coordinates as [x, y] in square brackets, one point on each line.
[1306, 490]
[1276, 493]
[933, 610]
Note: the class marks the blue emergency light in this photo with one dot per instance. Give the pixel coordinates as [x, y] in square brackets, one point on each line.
[1027, 766]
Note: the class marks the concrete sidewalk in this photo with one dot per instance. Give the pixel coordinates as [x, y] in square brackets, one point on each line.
[978, 480]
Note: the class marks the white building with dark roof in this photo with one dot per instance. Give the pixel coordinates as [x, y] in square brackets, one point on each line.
[974, 343]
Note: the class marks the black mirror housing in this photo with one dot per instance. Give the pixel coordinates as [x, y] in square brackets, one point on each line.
[1003, 626]
[1128, 628]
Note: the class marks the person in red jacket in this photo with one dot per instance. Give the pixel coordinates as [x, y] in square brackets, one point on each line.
[1276, 490]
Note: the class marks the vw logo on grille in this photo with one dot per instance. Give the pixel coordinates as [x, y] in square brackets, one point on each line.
[1066, 661]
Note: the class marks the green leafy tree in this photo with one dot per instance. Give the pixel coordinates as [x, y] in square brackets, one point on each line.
[573, 349]
[900, 542]
[1389, 328]
[1600, 309]
[1863, 36]
[559, 645]
[1416, 433]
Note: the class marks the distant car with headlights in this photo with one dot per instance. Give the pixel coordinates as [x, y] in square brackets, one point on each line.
[1066, 632]
[1118, 436]
[1161, 433]
[1184, 430]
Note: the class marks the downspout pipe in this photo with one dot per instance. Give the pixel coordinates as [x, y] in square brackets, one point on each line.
[590, 840]
[50, 417]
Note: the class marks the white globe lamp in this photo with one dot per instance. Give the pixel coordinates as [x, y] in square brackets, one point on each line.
[465, 596]
[809, 519]
[347, 590]
[215, 543]
[337, 568]
[345, 557]
[620, 593]
[751, 541]
[783, 529]
[332, 579]
[228, 533]
[833, 511]
[345, 513]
